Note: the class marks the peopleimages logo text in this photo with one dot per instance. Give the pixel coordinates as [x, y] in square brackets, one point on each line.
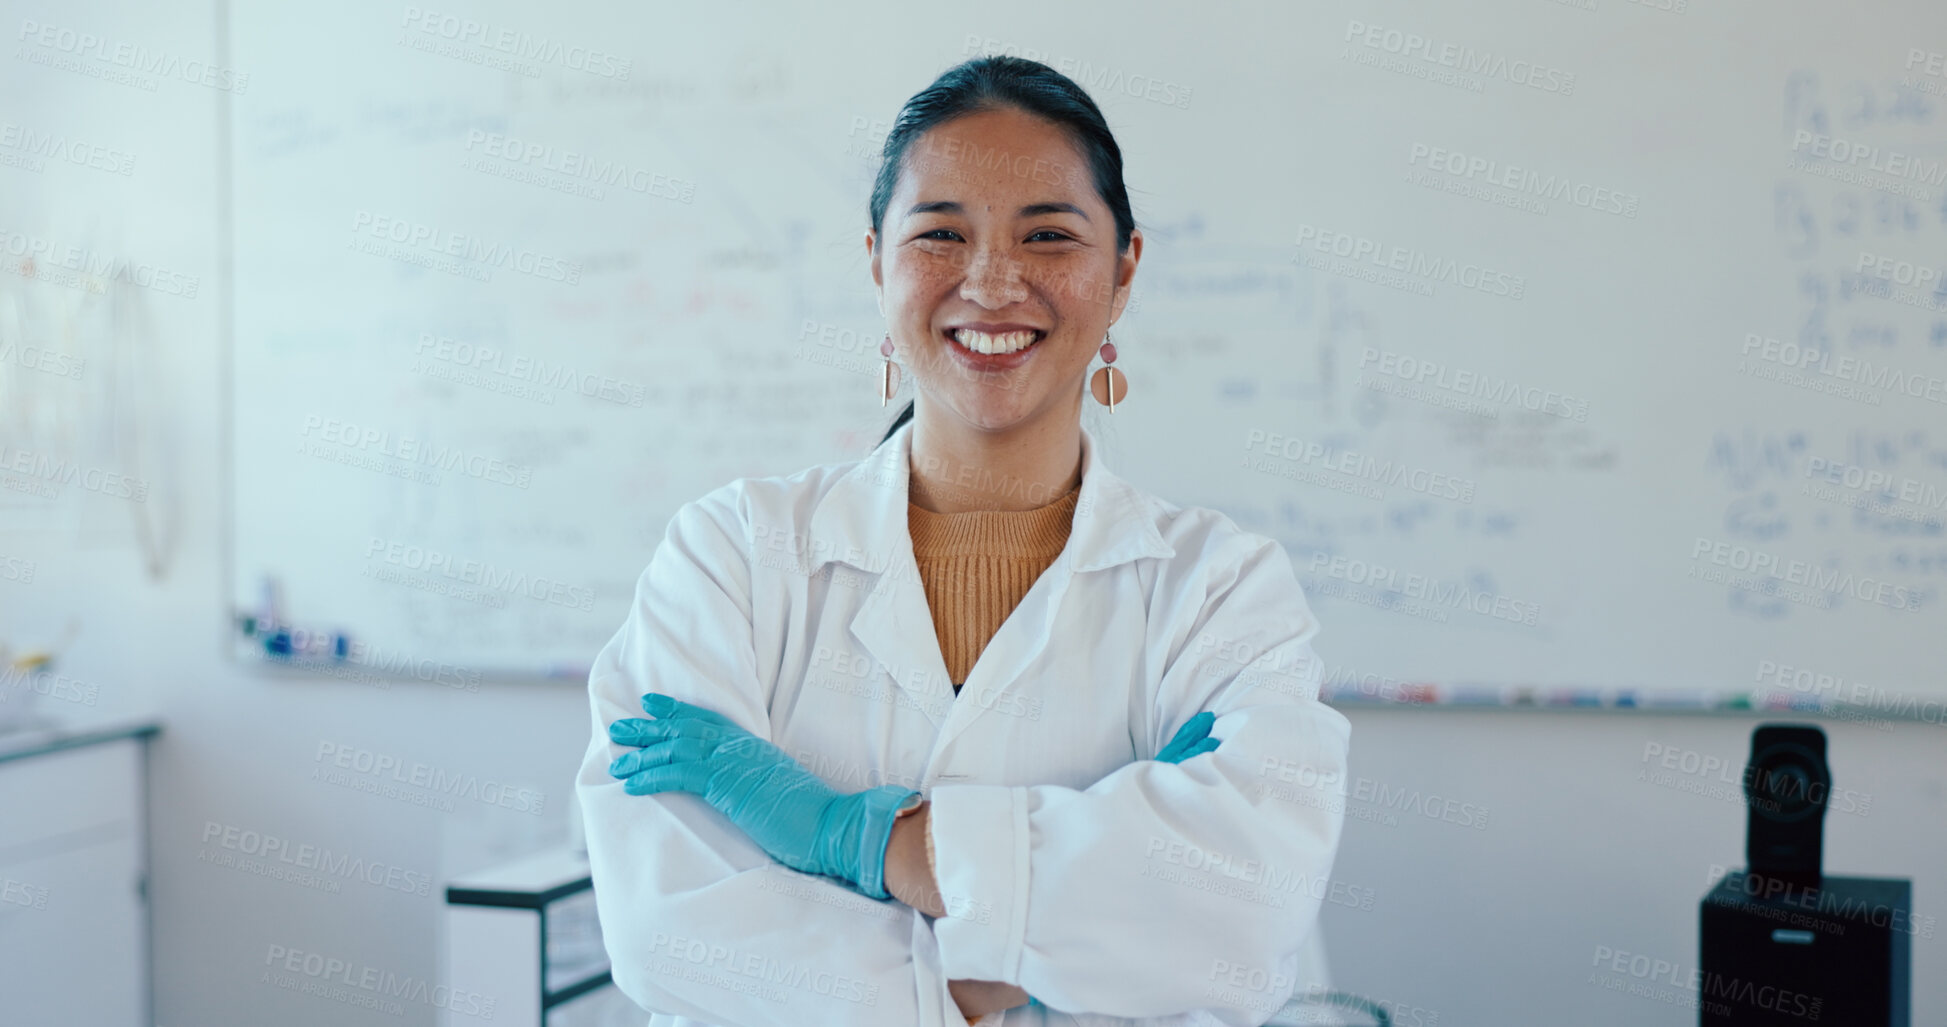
[1410, 261]
[420, 775]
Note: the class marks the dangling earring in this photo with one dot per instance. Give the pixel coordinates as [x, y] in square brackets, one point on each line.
[1108, 385]
[889, 375]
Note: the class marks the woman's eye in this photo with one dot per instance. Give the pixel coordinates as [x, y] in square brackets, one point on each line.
[1057, 236]
[938, 232]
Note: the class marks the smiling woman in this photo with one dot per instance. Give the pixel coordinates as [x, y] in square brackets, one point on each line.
[1056, 796]
[1000, 191]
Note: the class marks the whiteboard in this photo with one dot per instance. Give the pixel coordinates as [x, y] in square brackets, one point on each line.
[1576, 352]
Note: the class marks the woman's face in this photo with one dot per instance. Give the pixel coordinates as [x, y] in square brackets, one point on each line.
[996, 230]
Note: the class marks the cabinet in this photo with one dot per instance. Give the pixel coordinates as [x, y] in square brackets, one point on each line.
[526, 933]
[74, 924]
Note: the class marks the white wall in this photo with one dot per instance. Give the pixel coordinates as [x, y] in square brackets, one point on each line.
[1494, 925]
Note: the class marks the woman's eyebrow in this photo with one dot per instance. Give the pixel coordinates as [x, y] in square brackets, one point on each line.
[1034, 210]
[1029, 211]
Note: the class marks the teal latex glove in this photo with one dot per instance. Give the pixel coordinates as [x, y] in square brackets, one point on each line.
[787, 810]
[1192, 739]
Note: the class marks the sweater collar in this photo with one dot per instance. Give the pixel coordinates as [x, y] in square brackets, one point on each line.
[862, 519]
[1038, 534]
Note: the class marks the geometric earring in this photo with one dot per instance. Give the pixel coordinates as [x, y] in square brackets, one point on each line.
[1108, 385]
[889, 375]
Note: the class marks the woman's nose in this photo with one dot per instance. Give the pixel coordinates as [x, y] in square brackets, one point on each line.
[993, 280]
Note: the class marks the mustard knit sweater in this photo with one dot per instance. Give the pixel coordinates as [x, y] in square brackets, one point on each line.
[976, 566]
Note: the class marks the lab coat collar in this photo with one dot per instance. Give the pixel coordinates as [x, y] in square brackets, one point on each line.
[861, 521]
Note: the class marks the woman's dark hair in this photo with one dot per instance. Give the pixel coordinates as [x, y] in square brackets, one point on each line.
[998, 83]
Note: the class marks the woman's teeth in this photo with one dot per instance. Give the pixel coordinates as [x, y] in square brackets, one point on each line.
[1006, 342]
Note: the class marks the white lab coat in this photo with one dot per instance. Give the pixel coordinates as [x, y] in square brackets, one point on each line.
[1111, 887]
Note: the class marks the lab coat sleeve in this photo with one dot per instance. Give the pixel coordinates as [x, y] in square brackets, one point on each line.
[1165, 888]
[698, 920]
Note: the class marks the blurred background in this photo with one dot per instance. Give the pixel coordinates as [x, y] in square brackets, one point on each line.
[1588, 357]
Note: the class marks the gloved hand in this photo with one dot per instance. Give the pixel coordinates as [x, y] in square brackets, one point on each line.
[1192, 739]
[787, 810]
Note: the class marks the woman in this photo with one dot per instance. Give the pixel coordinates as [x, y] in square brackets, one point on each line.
[970, 729]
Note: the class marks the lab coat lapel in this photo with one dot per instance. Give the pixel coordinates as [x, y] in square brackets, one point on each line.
[895, 626]
[1112, 525]
[1019, 641]
[863, 522]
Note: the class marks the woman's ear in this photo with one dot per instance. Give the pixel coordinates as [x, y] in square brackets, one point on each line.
[878, 279]
[1125, 274]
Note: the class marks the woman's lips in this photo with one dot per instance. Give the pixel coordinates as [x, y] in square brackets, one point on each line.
[991, 362]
